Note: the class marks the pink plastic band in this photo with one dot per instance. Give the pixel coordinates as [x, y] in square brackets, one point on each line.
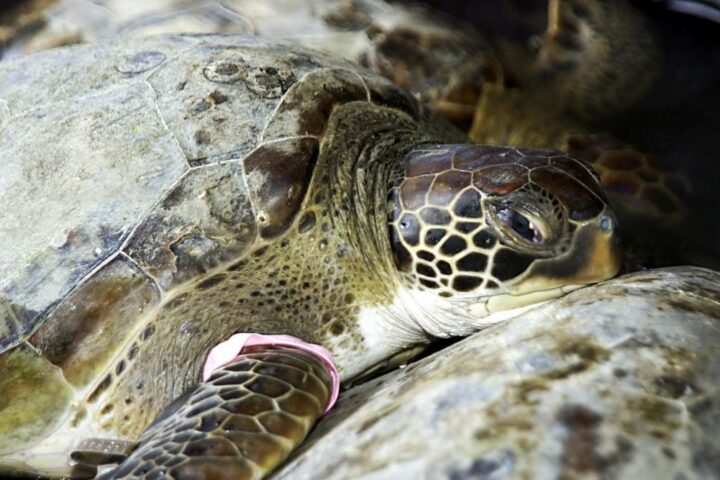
[226, 352]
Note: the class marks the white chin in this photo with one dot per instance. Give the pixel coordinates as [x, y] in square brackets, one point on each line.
[514, 304]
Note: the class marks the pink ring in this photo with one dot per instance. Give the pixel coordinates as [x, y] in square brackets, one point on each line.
[226, 352]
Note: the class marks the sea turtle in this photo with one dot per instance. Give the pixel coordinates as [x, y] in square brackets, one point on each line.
[162, 194]
[439, 59]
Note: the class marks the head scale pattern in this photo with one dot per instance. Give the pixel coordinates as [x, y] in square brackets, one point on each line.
[468, 218]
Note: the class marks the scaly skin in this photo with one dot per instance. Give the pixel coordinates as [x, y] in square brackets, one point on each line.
[240, 423]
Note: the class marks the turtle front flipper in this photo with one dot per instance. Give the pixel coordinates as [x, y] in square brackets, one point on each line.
[598, 56]
[241, 423]
[651, 204]
[639, 189]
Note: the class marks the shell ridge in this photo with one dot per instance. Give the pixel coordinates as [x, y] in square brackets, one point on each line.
[161, 199]
[12, 324]
[50, 309]
[281, 101]
[224, 9]
[277, 116]
[364, 83]
[131, 235]
[284, 139]
[137, 265]
[163, 122]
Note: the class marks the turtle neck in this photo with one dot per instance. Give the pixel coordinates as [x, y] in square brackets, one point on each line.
[364, 156]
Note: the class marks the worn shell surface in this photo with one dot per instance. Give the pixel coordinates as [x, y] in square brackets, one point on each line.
[434, 56]
[150, 161]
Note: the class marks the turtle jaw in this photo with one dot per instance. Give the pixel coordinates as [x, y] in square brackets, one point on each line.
[594, 255]
[500, 307]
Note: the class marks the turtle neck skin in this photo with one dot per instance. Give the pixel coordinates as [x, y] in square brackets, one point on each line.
[359, 185]
[373, 142]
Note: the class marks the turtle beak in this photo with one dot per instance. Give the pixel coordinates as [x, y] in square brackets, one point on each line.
[604, 256]
[595, 255]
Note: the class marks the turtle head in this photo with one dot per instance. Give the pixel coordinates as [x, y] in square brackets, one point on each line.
[494, 228]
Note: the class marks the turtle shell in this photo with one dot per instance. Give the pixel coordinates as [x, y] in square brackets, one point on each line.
[442, 61]
[149, 162]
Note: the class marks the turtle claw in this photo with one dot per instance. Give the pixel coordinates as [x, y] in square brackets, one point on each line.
[563, 44]
[92, 453]
[586, 58]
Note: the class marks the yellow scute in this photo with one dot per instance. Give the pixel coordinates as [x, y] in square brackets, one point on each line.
[34, 399]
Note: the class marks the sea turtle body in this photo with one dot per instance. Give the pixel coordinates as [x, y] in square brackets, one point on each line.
[173, 157]
[165, 193]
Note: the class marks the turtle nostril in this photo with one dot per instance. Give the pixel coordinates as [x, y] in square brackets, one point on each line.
[605, 223]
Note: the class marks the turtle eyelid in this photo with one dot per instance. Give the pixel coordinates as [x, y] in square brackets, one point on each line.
[521, 225]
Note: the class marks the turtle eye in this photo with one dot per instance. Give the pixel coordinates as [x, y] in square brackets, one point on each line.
[520, 225]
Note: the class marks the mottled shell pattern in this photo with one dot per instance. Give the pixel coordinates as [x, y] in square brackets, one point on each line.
[442, 61]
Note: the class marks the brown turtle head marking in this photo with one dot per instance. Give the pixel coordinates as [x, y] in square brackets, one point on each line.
[471, 221]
